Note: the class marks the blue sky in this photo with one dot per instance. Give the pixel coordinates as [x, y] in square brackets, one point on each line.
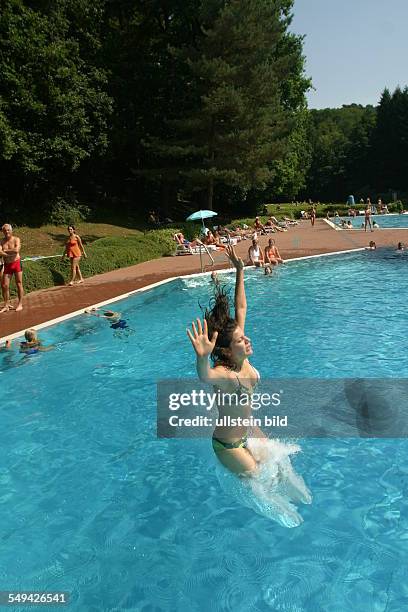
[353, 48]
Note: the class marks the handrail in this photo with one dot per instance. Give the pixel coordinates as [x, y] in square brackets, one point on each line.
[207, 251]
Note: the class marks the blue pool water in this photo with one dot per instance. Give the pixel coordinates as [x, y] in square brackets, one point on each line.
[93, 504]
[384, 221]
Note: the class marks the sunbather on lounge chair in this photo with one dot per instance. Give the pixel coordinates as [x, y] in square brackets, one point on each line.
[275, 224]
[290, 221]
[179, 238]
[218, 240]
[209, 238]
[184, 246]
[258, 226]
[270, 224]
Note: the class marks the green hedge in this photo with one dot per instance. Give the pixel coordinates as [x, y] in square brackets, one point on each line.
[104, 255]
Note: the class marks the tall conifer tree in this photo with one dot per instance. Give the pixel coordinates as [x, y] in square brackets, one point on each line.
[237, 122]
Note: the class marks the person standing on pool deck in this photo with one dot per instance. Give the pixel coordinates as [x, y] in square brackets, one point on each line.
[313, 215]
[367, 216]
[10, 251]
[74, 250]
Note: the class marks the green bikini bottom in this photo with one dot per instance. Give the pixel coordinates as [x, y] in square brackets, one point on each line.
[219, 445]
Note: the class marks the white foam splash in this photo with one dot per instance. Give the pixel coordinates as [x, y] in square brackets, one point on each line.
[275, 489]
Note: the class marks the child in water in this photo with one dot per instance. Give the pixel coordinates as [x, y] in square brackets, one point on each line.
[32, 343]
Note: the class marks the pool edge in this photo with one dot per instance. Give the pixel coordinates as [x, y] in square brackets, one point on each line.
[123, 296]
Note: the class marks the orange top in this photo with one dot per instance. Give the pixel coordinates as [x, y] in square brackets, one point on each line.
[73, 249]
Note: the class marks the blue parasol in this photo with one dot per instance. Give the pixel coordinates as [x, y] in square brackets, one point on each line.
[200, 215]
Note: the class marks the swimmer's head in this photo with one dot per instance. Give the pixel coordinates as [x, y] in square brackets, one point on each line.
[271, 242]
[71, 229]
[109, 313]
[31, 335]
[232, 347]
[7, 229]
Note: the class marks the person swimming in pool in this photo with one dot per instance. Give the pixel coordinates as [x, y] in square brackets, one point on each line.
[214, 278]
[246, 452]
[110, 315]
[32, 344]
[116, 322]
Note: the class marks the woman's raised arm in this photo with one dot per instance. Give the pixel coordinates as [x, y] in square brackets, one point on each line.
[240, 297]
[203, 347]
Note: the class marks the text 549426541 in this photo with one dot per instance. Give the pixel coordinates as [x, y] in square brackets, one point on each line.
[9, 598]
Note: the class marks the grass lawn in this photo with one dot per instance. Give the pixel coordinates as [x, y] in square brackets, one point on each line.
[50, 239]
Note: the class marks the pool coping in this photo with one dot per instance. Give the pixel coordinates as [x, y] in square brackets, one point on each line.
[75, 313]
[360, 229]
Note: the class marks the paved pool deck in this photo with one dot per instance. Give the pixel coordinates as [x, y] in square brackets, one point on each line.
[299, 241]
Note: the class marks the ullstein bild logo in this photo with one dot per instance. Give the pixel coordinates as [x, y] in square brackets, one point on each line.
[299, 408]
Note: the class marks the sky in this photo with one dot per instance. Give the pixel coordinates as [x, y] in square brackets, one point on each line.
[353, 48]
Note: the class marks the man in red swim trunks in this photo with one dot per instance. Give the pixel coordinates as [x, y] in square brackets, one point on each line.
[10, 251]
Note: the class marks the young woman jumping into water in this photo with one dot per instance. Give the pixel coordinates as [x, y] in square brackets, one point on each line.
[262, 464]
[223, 338]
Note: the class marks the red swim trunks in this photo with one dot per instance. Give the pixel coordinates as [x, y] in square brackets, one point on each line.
[13, 267]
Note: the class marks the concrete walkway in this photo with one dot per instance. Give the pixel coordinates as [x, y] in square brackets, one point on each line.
[301, 240]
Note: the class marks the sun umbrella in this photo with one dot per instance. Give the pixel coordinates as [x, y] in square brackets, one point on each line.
[201, 215]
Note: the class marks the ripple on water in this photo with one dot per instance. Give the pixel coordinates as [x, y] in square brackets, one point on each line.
[125, 521]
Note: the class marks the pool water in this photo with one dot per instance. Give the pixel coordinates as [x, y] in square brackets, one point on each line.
[384, 221]
[93, 504]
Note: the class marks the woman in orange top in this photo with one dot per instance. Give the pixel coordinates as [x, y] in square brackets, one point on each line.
[74, 250]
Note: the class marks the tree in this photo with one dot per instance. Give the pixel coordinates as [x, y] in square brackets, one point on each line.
[53, 101]
[236, 124]
[290, 172]
[390, 141]
[336, 136]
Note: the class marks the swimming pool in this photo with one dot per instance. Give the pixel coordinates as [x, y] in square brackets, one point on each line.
[391, 221]
[93, 504]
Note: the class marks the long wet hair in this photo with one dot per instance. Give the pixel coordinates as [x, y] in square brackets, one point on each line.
[218, 317]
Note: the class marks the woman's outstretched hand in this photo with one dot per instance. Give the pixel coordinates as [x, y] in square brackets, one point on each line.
[235, 260]
[202, 345]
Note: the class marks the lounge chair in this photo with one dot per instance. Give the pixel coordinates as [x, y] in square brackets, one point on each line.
[232, 241]
[183, 249]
